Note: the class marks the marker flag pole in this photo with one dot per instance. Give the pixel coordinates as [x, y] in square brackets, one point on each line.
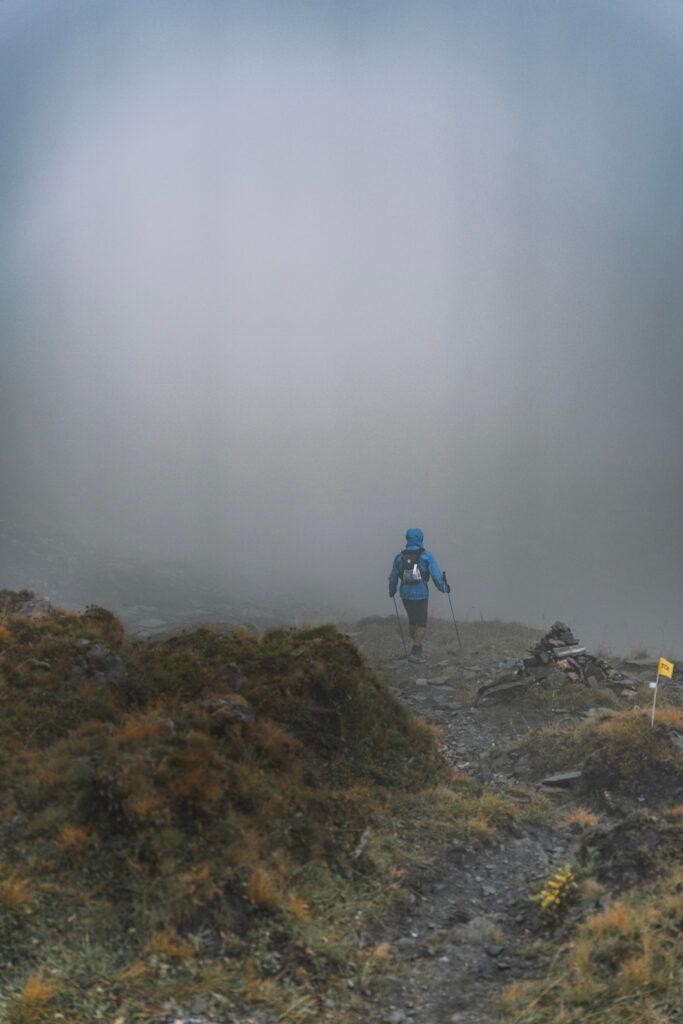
[664, 668]
[654, 699]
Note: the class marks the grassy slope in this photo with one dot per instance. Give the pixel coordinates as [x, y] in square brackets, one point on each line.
[220, 823]
[623, 754]
[623, 963]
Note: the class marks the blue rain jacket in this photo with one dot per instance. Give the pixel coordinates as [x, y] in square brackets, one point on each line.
[416, 591]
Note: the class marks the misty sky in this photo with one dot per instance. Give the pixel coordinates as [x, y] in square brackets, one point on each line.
[280, 280]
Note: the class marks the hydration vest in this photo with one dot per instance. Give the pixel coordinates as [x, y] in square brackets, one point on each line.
[409, 569]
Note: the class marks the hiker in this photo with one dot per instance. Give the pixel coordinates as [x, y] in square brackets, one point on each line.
[413, 567]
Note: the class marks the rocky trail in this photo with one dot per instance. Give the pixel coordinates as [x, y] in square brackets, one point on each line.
[470, 927]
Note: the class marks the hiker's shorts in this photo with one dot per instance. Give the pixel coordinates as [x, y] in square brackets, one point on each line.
[417, 611]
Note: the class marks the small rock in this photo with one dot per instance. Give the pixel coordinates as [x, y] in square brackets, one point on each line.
[561, 778]
[228, 708]
[97, 651]
[494, 949]
[600, 713]
[35, 608]
[233, 674]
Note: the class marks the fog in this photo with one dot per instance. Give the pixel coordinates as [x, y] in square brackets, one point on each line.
[282, 280]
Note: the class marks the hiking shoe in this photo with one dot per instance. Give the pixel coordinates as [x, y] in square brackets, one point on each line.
[416, 658]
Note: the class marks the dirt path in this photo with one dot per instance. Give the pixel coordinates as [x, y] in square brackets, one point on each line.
[470, 927]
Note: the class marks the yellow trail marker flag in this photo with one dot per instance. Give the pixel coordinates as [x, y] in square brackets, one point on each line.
[665, 668]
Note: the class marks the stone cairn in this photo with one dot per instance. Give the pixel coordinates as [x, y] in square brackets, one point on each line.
[559, 650]
[557, 658]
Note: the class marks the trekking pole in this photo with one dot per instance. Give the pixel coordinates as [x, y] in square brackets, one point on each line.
[448, 594]
[400, 627]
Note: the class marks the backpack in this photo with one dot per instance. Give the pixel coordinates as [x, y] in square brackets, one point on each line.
[409, 568]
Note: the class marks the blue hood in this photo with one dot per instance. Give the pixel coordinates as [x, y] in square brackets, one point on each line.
[415, 537]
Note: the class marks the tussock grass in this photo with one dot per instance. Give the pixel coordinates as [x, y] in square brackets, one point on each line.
[196, 827]
[622, 754]
[622, 965]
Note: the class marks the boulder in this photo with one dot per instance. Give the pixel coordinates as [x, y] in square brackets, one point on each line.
[232, 674]
[98, 663]
[35, 608]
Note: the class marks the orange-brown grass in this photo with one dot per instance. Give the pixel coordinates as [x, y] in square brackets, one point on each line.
[624, 965]
[166, 943]
[379, 952]
[299, 908]
[151, 809]
[15, 892]
[278, 743]
[74, 839]
[263, 888]
[141, 728]
[358, 793]
[6, 636]
[91, 727]
[479, 829]
[134, 971]
[34, 1004]
[580, 816]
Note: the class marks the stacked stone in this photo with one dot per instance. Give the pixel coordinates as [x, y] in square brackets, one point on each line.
[558, 637]
[560, 650]
[555, 659]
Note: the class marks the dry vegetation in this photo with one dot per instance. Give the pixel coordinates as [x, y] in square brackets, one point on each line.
[623, 753]
[221, 822]
[622, 965]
